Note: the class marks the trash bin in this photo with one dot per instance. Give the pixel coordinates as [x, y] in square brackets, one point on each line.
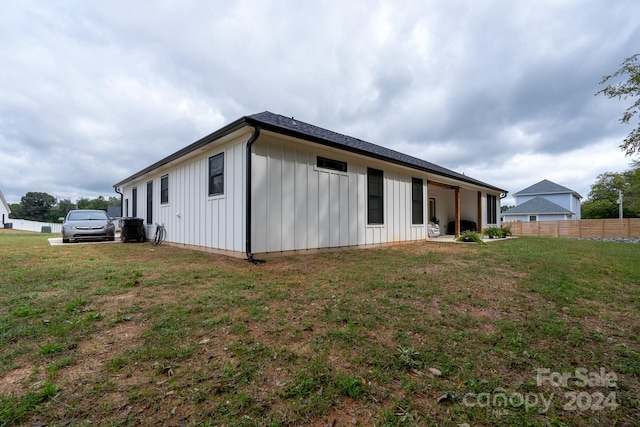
[8, 225]
[132, 230]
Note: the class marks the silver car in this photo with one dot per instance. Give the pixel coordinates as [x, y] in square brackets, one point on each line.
[85, 224]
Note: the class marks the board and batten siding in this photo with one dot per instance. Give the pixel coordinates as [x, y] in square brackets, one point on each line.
[297, 205]
[192, 217]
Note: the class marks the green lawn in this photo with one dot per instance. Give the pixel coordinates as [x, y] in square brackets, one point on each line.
[529, 331]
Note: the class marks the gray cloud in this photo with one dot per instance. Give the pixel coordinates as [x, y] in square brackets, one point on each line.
[95, 91]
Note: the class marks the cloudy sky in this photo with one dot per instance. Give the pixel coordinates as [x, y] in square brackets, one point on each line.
[503, 91]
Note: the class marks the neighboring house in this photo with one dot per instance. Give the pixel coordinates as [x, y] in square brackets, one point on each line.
[4, 209]
[544, 201]
[269, 183]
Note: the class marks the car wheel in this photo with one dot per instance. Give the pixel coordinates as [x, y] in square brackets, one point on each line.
[111, 239]
[65, 240]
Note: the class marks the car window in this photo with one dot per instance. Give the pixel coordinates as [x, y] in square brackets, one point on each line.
[84, 216]
[77, 216]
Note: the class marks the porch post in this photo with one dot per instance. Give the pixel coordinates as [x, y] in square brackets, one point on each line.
[457, 189]
[480, 211]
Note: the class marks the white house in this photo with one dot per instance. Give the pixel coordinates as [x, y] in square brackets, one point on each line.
[4, 209]
[544, 201]
[268, 183]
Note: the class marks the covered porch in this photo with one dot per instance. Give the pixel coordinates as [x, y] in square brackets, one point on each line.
[456, 208]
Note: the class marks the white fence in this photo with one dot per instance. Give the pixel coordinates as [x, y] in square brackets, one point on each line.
[26, 225]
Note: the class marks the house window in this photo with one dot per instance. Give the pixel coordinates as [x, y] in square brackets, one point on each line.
[150, 202]
[417, 201]
[492, 210]
[337, 165]
[533, 218]
[164, 189]
[216, 174]
[134, 202]
[375, 213]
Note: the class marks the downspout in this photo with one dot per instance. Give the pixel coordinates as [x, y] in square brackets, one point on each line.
[250, 142]
[121, 200]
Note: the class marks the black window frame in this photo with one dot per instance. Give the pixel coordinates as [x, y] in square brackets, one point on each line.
[417, 201]
[375, 199]
[149, 202]
[219, 174]
[492, 209]
[327, 163]
[134, 202]
[164, 189]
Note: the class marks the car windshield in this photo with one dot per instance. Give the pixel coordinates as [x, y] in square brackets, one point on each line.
[87, 216]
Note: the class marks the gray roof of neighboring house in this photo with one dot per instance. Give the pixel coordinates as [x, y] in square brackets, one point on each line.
[546, 187]
[295, 128]
[537, 205]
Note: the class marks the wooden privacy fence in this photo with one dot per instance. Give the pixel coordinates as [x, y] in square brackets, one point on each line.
[586, 228]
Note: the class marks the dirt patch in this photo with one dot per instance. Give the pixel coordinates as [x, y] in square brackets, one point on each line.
[95, 352]
[14, 382]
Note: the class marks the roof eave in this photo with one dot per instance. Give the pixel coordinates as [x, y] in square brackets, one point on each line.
[537, 213]
[547, 193]
[249, 121]
[224, 131]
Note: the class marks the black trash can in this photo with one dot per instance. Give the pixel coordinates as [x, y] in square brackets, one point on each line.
[133, 230]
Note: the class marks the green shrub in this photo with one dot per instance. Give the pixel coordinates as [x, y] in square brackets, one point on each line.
[470, 236]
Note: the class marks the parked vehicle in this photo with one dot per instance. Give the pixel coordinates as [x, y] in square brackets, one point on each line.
[85, 224]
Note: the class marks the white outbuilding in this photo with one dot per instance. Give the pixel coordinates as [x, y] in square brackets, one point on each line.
[5, 210]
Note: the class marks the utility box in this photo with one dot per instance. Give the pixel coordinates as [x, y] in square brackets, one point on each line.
[133, 230]
[46, 229]
[8, 225]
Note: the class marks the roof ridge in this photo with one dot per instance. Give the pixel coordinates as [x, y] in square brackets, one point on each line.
[545, 187]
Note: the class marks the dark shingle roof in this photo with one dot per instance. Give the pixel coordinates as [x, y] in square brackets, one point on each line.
[537, 205]
[545, 187]
[295, 128]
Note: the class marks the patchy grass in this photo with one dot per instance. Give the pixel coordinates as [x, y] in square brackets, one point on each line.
[416, 334]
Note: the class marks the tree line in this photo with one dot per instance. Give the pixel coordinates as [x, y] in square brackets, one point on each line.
[43, 207]
[603, 198]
